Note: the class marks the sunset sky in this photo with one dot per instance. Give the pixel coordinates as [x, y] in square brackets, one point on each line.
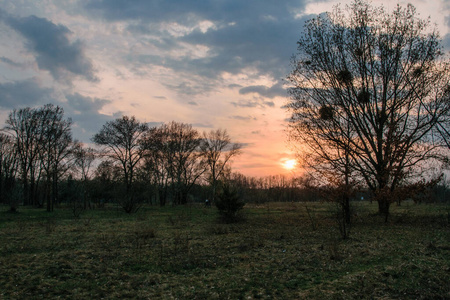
[210, 63]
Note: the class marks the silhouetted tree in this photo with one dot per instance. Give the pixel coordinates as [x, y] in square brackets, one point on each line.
[179, 147]
[105, 184]
[25, 127]
[443, 127]
[155, 167]
[121, 140]
[229, 202]
[217, 150]
[366, 84]
[8, 171]
[84, 158]
[56, 147]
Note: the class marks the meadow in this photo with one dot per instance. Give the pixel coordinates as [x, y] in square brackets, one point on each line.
[277, 251]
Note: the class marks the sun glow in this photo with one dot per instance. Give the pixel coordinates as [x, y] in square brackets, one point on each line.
[289, 164]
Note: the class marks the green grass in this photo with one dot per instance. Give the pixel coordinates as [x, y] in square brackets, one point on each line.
[184, 252]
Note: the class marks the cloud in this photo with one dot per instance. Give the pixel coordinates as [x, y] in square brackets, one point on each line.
[202, 125]
[187, 12]
[154, 124]
[81, 104]
[276, 90]
[190, 88]
[243, 118]
[235, 36]
[85, 113]
[23, 93]
[10, 62]
[250, 103]
[446, 42]
[52, 48]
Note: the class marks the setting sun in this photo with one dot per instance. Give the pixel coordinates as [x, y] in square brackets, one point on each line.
[289, 164]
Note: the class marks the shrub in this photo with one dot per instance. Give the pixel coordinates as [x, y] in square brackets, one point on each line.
[229, 202]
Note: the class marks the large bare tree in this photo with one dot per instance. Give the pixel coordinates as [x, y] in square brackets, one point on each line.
[121, 140]
[181, 148]
[84, 158]
[218, 150]
[155, 168]
[56, 148]
[366, 94]
[8, 171]
[25, 126]
[174, 158]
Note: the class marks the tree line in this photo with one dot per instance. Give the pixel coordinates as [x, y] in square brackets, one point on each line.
[42, 165]
[134, 163]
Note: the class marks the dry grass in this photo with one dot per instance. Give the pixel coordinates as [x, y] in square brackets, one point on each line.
[185, 253]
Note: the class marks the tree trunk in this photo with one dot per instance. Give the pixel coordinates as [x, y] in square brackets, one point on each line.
[162, 197]
[54, 190]
[32, 194]
[383, 208]
[26, 191]
[346, 209]
[47, 194]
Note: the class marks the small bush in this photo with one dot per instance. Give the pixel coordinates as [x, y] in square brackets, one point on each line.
[229, 203]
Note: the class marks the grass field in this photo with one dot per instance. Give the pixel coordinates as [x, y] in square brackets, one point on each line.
[280, 251]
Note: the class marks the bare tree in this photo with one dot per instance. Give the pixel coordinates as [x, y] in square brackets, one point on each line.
[218, 150]
[183, 157]
[443, 128]
[8, 171]
[84, 158]
[364, 86]
[155, 167]
[25, 127]
[175, 152]
[121, 140]
[56, 147]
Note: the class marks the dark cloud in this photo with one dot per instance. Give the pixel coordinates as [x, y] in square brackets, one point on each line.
[265, 46]
[82, 104]
[188, 13]
[246, 34]
[10, 62]
[276, 90]
[193, 103]
[160, 97]
[84, 111]
[85, 114]
[191, 88]
[243, 118]
[202, 125]
[253, 103]
[51, 45]
[154, 124]
[256, 165]
[246, 145]
[446, 42]
[23, 93]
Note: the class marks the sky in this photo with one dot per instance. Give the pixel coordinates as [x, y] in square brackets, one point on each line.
[211, 63]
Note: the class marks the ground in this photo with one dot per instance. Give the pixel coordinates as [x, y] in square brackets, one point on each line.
[279, 251]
